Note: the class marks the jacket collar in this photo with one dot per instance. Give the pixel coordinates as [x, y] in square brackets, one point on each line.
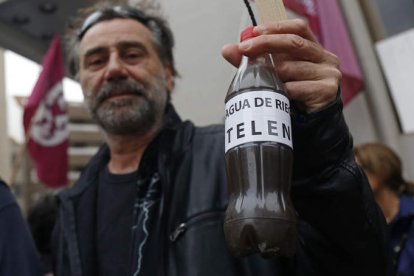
[101, 158]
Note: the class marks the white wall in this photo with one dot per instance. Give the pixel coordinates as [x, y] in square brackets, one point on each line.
[359, 119]
[201, 29]
[5, 156]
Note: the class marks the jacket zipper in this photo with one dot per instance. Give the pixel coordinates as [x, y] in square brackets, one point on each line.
[182, 227]
[178, 231]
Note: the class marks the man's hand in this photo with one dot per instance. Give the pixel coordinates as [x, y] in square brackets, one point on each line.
[310, 73]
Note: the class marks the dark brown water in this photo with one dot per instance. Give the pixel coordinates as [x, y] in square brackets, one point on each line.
[260, 217]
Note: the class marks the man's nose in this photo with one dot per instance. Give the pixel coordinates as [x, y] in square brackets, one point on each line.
[115, 69]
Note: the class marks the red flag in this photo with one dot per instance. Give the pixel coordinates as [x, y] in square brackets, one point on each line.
[45, 121]
[326, 21]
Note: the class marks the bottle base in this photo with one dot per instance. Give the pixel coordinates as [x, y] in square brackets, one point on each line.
[269, 237]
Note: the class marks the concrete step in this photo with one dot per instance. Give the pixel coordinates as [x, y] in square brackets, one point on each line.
[80, 156]
[84, 134]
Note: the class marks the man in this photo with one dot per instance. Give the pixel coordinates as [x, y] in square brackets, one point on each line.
[151, 201]
[18, 254]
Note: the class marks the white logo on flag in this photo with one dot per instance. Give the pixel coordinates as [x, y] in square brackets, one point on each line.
[49, 127]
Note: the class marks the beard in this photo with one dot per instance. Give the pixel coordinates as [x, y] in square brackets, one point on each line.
[135, 114]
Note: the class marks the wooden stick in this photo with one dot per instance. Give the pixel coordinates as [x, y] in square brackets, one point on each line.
[271, 10]
[21, 154]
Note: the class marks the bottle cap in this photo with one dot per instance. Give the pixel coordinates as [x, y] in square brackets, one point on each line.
[247, 34]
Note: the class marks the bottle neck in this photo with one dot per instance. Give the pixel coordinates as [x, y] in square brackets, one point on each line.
[255, 72]
[264, 59]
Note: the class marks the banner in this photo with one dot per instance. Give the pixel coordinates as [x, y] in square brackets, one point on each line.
[45, 121]
[326, 21]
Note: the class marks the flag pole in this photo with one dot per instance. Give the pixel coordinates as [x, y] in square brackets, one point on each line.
[22, 152]
[271, 10]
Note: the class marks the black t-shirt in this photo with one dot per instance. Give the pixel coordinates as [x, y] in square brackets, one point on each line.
[128, 223]
[116, 196]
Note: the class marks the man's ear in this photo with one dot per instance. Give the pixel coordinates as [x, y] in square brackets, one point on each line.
[169, 78]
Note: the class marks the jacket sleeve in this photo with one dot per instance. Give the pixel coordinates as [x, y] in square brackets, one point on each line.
[341, 230]
[18, 254]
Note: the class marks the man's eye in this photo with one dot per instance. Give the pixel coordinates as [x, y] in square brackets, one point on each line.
[133, 55]
[94, 62]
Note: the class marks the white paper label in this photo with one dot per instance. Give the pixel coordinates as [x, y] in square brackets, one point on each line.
[257, 116]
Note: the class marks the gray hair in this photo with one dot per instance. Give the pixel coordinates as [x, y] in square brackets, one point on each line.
[161, 34]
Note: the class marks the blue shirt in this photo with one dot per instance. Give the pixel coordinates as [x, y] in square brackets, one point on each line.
[401, 239]
[17, 250]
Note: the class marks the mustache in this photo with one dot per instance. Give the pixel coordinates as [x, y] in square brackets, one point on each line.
[120, 88]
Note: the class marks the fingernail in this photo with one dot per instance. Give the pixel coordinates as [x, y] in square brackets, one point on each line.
[259, 29]
[246, 45]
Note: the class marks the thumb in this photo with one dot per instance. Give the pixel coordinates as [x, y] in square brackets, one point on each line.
[232, 54]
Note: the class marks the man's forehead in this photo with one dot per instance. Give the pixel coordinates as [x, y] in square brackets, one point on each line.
[109, 31]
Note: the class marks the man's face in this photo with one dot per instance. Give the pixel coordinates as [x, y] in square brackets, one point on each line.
[124, 82]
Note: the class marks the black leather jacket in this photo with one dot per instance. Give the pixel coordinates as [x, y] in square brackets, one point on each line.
[340, 227]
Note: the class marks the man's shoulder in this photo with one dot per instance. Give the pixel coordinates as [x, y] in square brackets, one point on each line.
[216, 129]
[407, 206]
[6, 197]
[209, 137]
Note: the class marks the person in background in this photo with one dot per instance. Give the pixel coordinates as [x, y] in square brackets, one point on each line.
[151, 201]
[18, 254]
[41, 218]
[394, 195]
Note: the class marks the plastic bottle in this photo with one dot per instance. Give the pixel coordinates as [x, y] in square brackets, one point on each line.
[260, 217]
